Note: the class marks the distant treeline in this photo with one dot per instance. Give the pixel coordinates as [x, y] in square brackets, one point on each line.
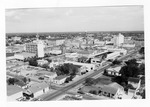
[136, 34]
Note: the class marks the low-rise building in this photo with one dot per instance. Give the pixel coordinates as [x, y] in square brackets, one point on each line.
[50, 76]
[113, 90]
[71, 56]
[128, 45]
[24, 55]
[42, 62]
[36, 90]
[135, 82]
[60, 79]
[87, 65]
[113, 71]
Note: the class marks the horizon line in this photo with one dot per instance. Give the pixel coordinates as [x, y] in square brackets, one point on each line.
[77, 31]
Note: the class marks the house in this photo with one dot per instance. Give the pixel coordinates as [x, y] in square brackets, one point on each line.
[60, 79]
[113, 71]
[55, 63]
[24, 55]
[135, 82]
[21, 84]
[42, 62]
[89, 67]
[96, 60]
[133, 85]
[113, 90]
[72, 56]
[35, 90]
[82, 70]
[51, 76]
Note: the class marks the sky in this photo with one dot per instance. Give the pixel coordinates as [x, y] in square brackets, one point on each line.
[115, 18]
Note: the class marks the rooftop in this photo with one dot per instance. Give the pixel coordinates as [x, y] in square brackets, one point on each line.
[37, 87]
[132, 79]
[116, 69]
[9, 54]
[60, 77]
[26, 54]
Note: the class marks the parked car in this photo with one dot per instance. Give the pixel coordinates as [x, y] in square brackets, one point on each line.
[36, 99]
[79, 96]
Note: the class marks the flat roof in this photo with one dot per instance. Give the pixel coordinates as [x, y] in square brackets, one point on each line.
[37, 87]
[60, 77]
[9, 54]
[26, 54]
[132, 79]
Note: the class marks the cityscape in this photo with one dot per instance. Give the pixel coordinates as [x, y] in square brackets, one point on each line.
[88, 59]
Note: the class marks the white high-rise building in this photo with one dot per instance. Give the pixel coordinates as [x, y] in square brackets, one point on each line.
[36, 47]
[40, 49]
[118, 40]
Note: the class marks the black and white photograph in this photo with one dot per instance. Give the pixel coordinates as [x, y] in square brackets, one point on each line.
[70, 53]
[75, 53]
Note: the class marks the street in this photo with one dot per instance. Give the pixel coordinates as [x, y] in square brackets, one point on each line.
[64, 89]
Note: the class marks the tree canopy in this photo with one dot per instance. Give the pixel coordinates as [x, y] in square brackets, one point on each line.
[33, 62]
[89, 81]
[141, 51]
[66, 69]
[115, 62]
[131, 69]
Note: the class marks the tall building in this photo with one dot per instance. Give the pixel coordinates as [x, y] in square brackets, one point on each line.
[36, 47]
[118, 40]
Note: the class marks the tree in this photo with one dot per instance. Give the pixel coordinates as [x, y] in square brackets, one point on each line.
[45, 66]
[129, 71]
[82, 59]
[11, 81]
[141, 51]
[33, 62]
[29, 79]
[49, 60]
[115, 62]
[24, 80]
[143, 94]
[142, 69]
[67, 69]
[120, 80]
[89, 81]
[132, 62]
[105, 72]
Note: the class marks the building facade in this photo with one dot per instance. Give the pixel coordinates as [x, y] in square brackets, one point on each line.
[37, 48]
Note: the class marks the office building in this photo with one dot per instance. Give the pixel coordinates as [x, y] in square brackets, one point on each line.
[36, 47]
[118, 40]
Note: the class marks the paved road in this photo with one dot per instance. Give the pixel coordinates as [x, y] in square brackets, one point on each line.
[63, 90]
